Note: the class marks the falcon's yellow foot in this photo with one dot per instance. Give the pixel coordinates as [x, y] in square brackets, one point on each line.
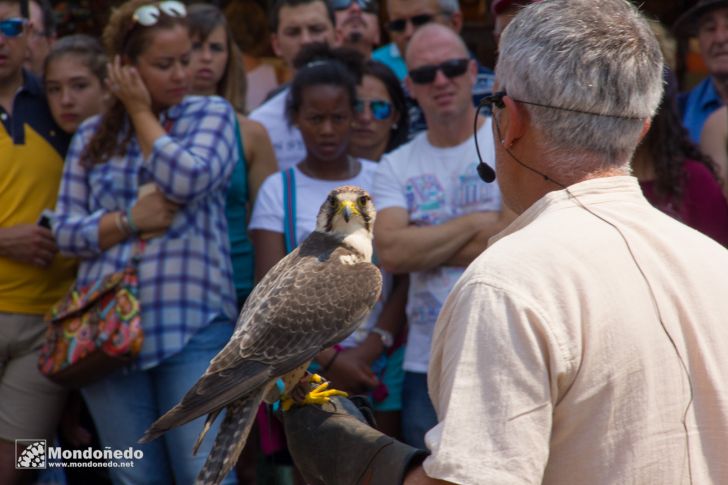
[321, 394]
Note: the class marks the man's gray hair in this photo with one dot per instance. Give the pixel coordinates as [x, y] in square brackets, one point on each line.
[449, 7]
[596, 56]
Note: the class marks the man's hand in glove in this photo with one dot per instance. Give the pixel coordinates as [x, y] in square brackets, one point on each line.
[334, 445]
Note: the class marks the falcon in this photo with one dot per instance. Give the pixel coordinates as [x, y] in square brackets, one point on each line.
[310, 300]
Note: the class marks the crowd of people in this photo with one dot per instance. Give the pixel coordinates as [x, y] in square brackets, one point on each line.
[145, 135]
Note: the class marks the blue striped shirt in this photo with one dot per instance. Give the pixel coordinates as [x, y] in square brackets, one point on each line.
[185, 276]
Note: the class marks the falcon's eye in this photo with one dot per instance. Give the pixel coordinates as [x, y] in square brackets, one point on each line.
[363, 200]
[332, 200]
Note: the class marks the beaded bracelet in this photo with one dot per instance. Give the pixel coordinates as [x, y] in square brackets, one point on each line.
[133, 227]
[121, 224]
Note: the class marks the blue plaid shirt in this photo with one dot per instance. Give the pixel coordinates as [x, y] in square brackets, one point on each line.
[185, 276]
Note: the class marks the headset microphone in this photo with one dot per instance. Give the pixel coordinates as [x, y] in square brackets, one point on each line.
[485, 171]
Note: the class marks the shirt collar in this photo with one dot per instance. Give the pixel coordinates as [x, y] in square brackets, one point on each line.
[708, 95]
[31, 84]
[172, 113]
[589, 192]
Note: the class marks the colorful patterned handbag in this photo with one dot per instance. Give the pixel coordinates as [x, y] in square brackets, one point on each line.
[94, 330]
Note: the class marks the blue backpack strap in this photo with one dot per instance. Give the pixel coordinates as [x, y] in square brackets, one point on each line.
[289, 207]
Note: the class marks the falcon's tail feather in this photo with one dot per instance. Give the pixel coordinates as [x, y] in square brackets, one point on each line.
[208, 423]
[230, 440]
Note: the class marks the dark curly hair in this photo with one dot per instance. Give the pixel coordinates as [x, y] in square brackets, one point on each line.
[127, 38]
[318, 64]
[669, 145]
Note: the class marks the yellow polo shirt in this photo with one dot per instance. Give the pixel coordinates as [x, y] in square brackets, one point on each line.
[32, 148]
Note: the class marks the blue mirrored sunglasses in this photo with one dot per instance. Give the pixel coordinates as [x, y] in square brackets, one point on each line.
[366, 5]
[381, 110]
[12, 27]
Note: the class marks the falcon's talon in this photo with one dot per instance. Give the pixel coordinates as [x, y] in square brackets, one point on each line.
[321, 394]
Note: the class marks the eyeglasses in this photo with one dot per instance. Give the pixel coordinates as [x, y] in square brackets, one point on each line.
[148, 15]
[12, 27]
[380, 109]
[366, 5]
[398, 25]
[452, 68]
[496, 99]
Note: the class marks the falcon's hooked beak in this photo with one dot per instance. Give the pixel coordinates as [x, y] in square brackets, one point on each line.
[347, 208]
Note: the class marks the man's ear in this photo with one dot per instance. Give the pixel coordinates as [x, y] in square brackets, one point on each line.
[645, 128]
[456, 21]
[513, 121]
[473, 70]
[338, 37]
[275, 45]
[409, 85]
[378, 37]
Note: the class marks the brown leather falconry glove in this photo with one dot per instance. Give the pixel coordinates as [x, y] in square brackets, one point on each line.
[334, 445]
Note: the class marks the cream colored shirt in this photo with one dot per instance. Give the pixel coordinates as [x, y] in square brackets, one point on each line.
[550, 364]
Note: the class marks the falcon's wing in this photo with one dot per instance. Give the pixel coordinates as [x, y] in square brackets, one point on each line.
[307, 302]
[313, 303]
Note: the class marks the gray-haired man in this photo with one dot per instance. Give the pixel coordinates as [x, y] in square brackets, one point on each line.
[586, 344]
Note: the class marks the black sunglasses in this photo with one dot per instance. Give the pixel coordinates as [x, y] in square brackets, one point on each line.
[452, 68]
[398, 25]
[366, 5]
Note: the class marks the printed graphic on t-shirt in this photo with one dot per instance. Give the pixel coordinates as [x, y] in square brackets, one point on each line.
[427, 201]
[471, 194]
[425, 312]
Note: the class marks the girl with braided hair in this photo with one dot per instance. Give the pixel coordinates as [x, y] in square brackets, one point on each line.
[154, 167]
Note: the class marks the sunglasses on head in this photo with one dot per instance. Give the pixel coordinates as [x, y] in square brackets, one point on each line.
[148, 15]
[380, 109]
[398, 25]
[366, 5]
[12, 27]
[427, 74]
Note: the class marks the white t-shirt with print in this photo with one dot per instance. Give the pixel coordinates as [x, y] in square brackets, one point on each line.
[287, 141]
[434, 185]
[269, 210]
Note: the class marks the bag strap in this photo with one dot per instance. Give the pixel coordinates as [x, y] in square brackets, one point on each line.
[136, 252]
[289, 207]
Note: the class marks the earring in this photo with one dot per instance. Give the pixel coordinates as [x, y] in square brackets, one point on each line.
[395, 126]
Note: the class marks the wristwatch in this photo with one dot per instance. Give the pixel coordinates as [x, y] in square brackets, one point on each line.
[387, 338]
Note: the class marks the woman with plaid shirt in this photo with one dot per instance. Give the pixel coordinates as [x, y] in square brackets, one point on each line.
[154, 167]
